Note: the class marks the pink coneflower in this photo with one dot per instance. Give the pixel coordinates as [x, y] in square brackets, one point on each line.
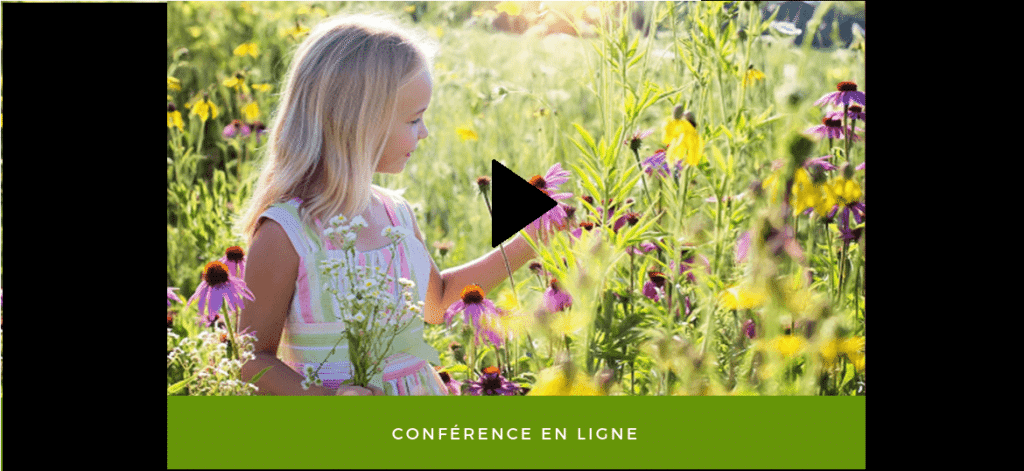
[689, 259]
[655, 285]
[847, 94]
[234, 258]
[172, 296]
[820, 162]
[479, 314]
[548, 183]
[638, 136]
[578, 232]
[492, 383]
[831, 127]
[235, 128]
[454, 387]
[742, 247]
[555, 299]
[643, 248]
[259, 129]
[630, 218]
[218, 284]
[855, 112]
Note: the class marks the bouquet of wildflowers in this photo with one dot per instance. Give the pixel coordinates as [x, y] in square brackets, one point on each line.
[372, 315]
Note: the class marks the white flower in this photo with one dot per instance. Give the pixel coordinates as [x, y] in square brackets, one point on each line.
[359, 317]
[395, 233]
[358, 223]
[786, 27]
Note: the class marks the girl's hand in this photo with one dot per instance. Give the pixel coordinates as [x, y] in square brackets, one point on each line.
[369, 390]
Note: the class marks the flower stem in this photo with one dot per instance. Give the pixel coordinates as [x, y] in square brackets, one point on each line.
[501, 247]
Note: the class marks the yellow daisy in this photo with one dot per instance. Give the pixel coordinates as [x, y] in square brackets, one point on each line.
[247, 48]
[173, 84]
[466, 133]
[554, 382]
[251, 111]
[742, 297]
[205, 109]
[683, 141]
[752, 76]
[788, 345]
[174, 117]
[512, 8]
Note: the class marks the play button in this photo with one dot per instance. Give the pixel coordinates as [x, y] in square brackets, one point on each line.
[516, 203]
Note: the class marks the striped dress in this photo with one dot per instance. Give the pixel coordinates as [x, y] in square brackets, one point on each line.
[312, 328]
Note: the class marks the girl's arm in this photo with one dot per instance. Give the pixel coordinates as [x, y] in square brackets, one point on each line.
[270, 272]
[487, 272]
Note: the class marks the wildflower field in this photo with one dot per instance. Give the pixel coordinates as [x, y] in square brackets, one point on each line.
[710, 233]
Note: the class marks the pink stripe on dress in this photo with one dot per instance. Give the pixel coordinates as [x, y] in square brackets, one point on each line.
[305, 304]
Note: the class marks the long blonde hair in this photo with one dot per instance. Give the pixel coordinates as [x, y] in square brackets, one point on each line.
[334, 116]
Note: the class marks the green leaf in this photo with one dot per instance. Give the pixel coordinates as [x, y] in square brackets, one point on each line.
[177, 387]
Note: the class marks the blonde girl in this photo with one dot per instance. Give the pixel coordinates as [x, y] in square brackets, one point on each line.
[353, 105]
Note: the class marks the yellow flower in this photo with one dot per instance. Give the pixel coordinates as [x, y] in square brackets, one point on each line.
[742, 297]
[846, 190]
[788, 345]
[512, 322]
[173, 83]
[466, 133]
[297, 32]
[554, 382]
[853, 347]
[205, 109]
[174, 117]
[829, 352]
[262, 87]
[752, 75]
[251, 111]
[807, 194]
[512, 8]
[247, 48]
[683, 141]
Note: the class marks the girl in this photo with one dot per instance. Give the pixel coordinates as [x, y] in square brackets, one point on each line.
[356, 93]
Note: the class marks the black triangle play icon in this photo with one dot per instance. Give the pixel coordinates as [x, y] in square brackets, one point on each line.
[516, 203]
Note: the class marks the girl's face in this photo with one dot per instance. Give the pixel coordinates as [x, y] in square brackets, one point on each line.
[408, 127]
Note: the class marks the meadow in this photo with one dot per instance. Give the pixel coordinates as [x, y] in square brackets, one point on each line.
[716, 237]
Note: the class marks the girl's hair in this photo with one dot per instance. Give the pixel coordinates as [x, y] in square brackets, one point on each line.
[334, 117]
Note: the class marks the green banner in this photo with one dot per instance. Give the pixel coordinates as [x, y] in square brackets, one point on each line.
[515, 432]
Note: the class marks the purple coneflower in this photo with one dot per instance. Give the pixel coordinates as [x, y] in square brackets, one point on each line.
[492, 383]
[549, 185]
[555, 299]
[217, 285]
[855, 112]
[847, 94]
[454, 387]
[750, 328]
[234, 258]
[655, 285]
[578, 232]
[235, 128]
[634, 141]
[688, 261]
[643, 248]
[831, 127]
[479, 314]
[742, 247]
[172, 296]
[630, 218]
[820, 162]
